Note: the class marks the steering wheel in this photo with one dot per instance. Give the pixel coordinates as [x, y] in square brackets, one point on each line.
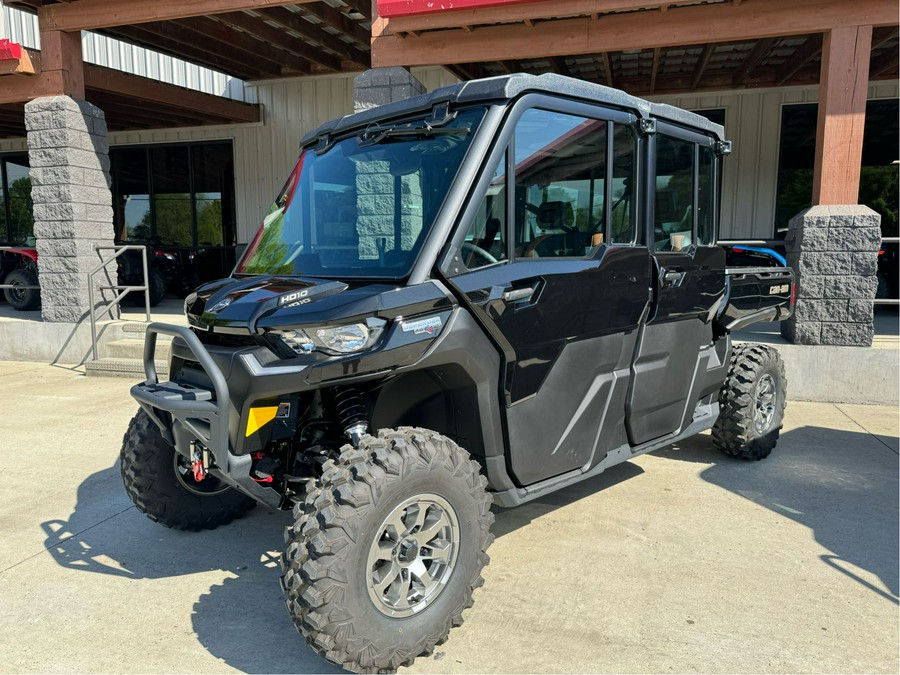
[480, 252]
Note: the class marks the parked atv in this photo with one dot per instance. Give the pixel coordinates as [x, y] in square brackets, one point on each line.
[462, 298]
[171, 269]
[18, 268]
[168, 269]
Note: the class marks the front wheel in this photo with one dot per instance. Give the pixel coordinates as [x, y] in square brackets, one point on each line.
[161, 483]
[751, 403]
[386, 551]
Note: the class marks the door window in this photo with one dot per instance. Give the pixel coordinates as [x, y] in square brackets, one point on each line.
[560, 183]
[706, 198]
[485, 242]
[623, 227]
[674, 203]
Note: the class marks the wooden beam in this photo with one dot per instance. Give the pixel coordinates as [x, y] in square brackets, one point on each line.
[360, 7]
[298, 24]
[751, 61]
[93, 14]
[213, 35]
[842, 114]
[134, 87]
[23, 89]
[61, 52]
[512, 13]
[257, 26]
[232, 64]
[654, 69]
[702, 62]
[607, 68]
[759, 19]
[329, 16]
[801, 56]
[559, 65]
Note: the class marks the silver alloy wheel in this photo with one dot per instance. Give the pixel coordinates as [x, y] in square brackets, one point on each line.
[413, 555]
[208, 487]
[766, 398]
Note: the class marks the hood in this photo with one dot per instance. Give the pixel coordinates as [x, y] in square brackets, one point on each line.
[236, 305]
[257, 303]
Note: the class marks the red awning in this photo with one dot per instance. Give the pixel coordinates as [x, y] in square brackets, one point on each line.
[395, 8]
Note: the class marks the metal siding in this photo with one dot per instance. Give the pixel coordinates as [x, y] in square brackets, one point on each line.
[22, 27]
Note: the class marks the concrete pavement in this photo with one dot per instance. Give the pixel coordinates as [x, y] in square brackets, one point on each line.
[681, 561]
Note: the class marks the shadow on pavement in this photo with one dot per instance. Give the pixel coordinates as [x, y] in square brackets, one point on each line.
[842, 485]
[242, 620]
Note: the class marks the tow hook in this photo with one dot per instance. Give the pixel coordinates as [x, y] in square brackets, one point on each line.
[199, 462]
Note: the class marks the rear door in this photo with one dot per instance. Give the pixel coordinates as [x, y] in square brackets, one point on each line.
[549, 266]
[688, 282]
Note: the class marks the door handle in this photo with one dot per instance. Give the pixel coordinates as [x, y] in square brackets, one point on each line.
[673, 278]
[519, 294]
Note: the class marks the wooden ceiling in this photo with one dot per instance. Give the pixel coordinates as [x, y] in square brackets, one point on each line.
[309, 38]
[768, 62]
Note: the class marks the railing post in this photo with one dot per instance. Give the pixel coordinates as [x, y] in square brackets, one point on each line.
[146, 283]
[93, 315]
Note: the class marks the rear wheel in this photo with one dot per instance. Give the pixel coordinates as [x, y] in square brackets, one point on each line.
[161, 483]
[157, 285]
[21, 298]
[751, 403]
[386, 551]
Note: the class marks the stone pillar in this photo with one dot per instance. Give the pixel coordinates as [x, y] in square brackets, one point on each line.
[378, 86]
[834, 252]
[70, 186]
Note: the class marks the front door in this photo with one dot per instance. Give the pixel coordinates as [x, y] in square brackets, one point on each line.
[552, 272]
[688, 279]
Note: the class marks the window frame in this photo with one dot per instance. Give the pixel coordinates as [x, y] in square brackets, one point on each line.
[5, 157]
[698, 139]
[151, 191]
[452, 264]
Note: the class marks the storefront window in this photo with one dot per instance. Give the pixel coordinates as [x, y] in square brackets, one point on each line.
[16, 219]
[180, 195]
[131, 176]
[879, 176]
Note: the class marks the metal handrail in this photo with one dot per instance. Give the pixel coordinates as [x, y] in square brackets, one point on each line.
[19, 286]
[122, 290]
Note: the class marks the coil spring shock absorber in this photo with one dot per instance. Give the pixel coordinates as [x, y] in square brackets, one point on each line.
[351, 412]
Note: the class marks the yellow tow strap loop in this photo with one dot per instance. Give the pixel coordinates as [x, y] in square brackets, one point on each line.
[260, 417]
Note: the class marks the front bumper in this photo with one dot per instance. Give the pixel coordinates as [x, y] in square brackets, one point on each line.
[189, 415]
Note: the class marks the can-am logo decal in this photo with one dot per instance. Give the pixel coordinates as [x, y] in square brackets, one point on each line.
[220, 305]
[429, 326]
[782, 288]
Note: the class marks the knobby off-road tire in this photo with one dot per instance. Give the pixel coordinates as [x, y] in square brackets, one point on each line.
[22, 299]
[331, 570]
[162, 486]
[751, 403]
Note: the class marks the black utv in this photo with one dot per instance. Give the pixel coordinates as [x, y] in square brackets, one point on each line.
[479, 295]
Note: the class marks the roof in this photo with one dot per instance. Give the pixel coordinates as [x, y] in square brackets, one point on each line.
[508, 87]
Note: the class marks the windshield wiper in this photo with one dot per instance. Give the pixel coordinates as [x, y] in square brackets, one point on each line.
[377, 134]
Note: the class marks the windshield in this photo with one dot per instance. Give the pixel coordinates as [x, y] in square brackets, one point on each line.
[364, 207]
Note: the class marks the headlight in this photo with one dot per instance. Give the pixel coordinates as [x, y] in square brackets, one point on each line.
[344, 339]
[297, 340]
[333, 339]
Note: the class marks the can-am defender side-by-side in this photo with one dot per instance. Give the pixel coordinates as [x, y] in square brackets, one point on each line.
[482, 294]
